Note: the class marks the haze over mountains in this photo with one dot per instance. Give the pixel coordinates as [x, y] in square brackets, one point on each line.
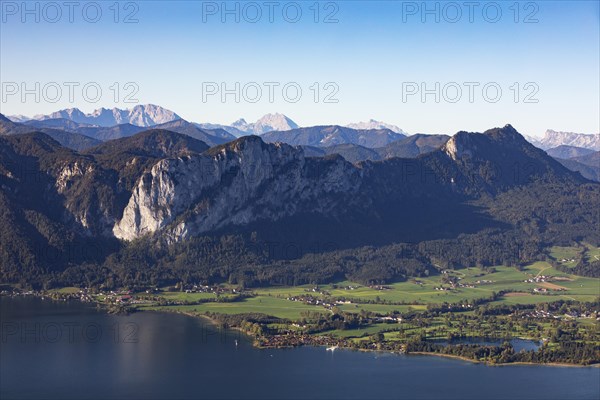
[140, 115]
[267, 123]
[80, 136]
[331, 135]
[152, 115]
[371, 140]
[70, 139]
[373, 124]
[576, 151]
[566, 151]
[552, 139]
[94, 131]
[585, 161]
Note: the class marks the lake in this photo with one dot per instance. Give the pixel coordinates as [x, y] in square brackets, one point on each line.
[69, 350]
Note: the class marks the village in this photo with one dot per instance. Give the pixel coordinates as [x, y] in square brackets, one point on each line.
[570, 315]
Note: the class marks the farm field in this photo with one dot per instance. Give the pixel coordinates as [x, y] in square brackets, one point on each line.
[188, 297]
[261, 304]
[423, 290]
[569, 256]
[411, 295]
[381, 308]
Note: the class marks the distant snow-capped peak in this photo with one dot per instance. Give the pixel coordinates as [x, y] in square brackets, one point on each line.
[268, 123]
[274, 122]
[240, 122]
[373, 124]
[18, 118]
[552, 139]
[140, 115]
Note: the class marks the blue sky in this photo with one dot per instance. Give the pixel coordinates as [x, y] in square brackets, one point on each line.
[369, 61]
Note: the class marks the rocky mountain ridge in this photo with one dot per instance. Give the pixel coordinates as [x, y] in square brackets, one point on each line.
[248, 180]
[141, 115]
[552, 139]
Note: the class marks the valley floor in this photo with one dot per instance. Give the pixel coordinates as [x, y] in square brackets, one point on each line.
[470, 313]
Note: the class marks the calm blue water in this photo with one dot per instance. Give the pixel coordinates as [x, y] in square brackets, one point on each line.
[70, 351]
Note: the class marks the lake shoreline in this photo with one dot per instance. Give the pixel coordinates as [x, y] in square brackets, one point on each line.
[177, 356]
[453, 356]
[217, 323]
[338, 344]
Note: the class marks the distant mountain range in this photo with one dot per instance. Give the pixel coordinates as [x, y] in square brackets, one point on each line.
[72, 140]
[211, 134]
[408, 147]
[80, 136]
[371, 140]
[565, 151]
[18, 118]
[97, 132]
[373, 124]
[140, 115]
[280, 122]
[584, 161]
[152, 115]
[211, 137]
[331, 135]
[552, 139]
[267, 123]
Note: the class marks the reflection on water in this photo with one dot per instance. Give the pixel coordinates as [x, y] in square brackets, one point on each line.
[70, 350]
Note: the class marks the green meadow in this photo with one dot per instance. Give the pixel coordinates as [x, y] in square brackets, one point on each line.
[415, 294]
[261, 304]
[569, 256]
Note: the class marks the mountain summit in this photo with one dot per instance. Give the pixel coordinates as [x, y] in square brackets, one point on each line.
[500, 158]
[373, 124]
[268, 123]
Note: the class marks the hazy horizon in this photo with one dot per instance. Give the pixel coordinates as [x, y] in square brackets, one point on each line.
[301, 125]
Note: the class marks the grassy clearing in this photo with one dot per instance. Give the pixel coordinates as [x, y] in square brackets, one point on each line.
[189, 297]
[567, 256]
[285, 291]
[533, 299]
[381, 308]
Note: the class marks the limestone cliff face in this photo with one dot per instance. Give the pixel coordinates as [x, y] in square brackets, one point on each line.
[247, 180]
[459, 146]
[88, 195]
[234, 184]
